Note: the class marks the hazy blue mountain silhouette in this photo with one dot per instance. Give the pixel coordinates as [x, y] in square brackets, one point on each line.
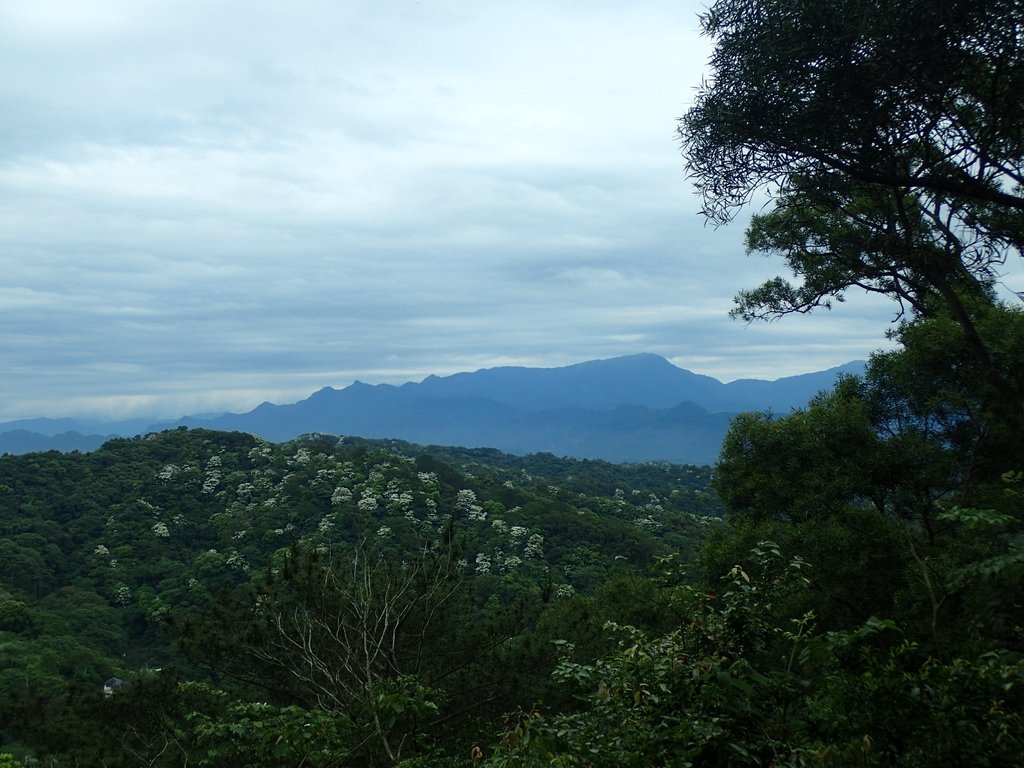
[644, 379]
[90, 427]
[22, 441]
[635, 408]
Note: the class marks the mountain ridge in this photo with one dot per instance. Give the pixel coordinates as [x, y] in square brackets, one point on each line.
[633, 408]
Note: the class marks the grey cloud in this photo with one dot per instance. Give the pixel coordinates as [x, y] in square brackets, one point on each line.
[209, 204]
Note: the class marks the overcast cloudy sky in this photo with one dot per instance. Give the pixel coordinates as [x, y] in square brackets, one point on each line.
[209, 203]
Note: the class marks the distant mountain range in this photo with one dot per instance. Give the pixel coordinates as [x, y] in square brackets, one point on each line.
[626, 409]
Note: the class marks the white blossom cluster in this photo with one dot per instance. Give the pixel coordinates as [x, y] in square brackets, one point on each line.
[245, 491]
[654, 504]
[213, 474]
[123, 596]
[341, 495]
[518, 536]
[160, 530]
[236, 560]
[534, 547]
[212, 481]
[376, 476]
[399, 499]
[431, 505]
[169, 471]
[261, 453]
[323, 477]
[465, 501]
[101, 550]
[647, 523]
[477, 513]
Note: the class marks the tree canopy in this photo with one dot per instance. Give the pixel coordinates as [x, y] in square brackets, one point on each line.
[888, 137]
[923, 95]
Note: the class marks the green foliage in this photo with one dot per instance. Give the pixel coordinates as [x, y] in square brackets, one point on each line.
[351, 602]
[740, 684]
[889, 140]
[810, 464]
[348, 605]
[688, 697]
[922, 96]
[117, 560]
[354, 636]
[904, 489]
[14, 616]
[264, 735]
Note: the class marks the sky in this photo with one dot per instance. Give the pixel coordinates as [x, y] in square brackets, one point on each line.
[206, 204]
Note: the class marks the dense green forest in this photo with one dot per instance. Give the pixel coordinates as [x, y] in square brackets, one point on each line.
[206, 570]
[844, 588]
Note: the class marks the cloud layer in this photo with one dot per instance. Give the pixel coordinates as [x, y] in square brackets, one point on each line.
[210, 204]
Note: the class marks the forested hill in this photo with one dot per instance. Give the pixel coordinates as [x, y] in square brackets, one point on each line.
[113, 561]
